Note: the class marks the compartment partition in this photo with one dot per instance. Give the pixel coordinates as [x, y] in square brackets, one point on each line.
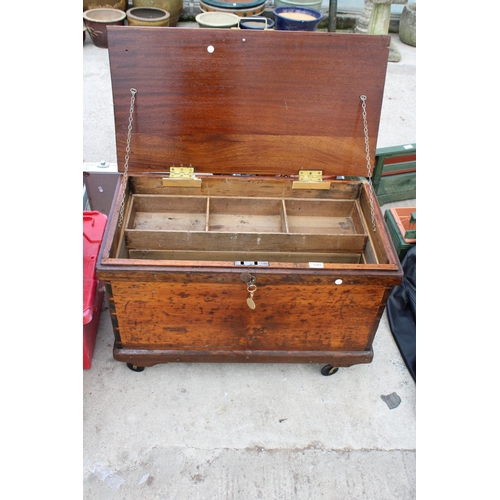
[237, 228]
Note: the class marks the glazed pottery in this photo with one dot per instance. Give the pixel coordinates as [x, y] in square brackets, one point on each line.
[173, 7]
[241, 12]
[233, 4]
[310, 4]
[256, 23]
[217, 20]
[97, 21]
[105, 4]
[147, 16]
[297, 18]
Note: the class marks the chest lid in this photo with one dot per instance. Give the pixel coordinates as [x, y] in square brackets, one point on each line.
[245, 101]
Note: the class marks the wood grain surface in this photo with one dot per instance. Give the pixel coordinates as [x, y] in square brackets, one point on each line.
[264, 103]
[199, 316]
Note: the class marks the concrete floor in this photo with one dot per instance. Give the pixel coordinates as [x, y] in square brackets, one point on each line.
[238, 431]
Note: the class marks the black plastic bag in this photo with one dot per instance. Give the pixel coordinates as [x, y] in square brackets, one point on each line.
[402, 312]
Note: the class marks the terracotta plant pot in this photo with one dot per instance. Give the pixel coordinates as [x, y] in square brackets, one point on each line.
[173, 7]
[105, 4]
[97, 21]
[147, 16]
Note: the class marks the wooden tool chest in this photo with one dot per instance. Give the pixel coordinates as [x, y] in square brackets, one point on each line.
[231, 237]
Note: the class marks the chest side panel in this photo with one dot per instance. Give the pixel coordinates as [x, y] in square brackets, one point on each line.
[205, 316]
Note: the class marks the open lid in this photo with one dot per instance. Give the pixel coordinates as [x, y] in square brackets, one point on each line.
[246, 102]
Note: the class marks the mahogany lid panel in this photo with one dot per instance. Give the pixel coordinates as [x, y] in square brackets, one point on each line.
[244, 101]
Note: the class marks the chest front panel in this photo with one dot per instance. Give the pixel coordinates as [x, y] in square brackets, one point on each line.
[208, 316]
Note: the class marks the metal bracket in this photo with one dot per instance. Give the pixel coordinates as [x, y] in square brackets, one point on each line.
[181, 177]
[311, 179]
[250, 263]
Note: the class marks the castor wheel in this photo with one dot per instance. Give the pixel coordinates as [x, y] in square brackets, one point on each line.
[135, 368]
[329, 370]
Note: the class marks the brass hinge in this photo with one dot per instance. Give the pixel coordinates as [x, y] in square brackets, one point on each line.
[311, 179]
[181, 177]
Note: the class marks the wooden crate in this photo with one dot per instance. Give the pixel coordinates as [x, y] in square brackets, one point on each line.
[394, 175]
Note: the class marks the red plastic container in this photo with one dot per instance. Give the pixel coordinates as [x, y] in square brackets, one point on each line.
[94, 224]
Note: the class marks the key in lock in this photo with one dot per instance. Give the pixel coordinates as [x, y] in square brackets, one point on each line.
[249, 280]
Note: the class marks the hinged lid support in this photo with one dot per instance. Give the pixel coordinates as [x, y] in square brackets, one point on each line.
[368, 164]
[311, 179]
[127, 153]
[181, 177]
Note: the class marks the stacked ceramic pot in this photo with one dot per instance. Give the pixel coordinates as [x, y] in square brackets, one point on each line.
[309, 4]
[242, 8]
[173, 7]
[148, 16]
[105, 4]
[98, 14]
[97, 21]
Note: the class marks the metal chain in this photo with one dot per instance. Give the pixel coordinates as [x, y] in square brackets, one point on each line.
[368, 164]
[127, 151]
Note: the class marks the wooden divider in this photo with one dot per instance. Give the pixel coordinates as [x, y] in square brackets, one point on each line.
[258, 228]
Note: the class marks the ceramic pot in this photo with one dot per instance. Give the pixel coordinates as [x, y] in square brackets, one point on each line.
[241, 12]
[97, 21]
[234, 4]
[147, 16]
[256, 23]
[105, 4]
[297, 18]
[310, 4]
[173, 7]
[217, 20]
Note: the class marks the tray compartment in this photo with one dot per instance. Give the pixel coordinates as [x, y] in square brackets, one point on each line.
[169, 213]
[235, 228]
[206, 225]
[324, 217]
[246, 215]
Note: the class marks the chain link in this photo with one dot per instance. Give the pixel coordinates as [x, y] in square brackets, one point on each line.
[368, 164]
[127, 157]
